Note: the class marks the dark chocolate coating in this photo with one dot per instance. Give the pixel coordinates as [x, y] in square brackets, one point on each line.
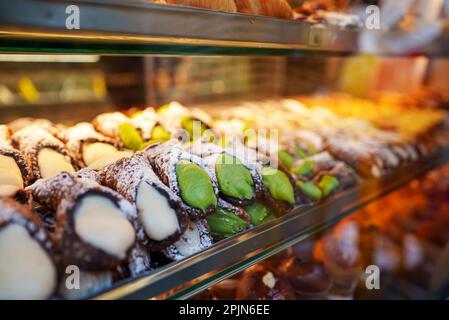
[172, 253]
[30, 141]
[13, 212]
[76, 251]
[63, 193]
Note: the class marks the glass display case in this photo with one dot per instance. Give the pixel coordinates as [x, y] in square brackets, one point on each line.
[350, 181]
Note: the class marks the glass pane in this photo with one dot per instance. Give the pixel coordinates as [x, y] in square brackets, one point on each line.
[391, 249]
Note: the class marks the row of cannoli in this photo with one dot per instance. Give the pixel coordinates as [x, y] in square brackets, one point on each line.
[164, 199]
[371, 151]
[142, 195]
[142, 128]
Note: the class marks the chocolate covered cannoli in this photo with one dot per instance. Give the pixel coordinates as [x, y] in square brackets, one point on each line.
[15, 173]
[27, 269]
[139, 261]
[87, 173]
[161, 213]
[279, 191]
[227, 221]
[91, 148]
[239, 180]
[46, 154]
[187, 176]
[195, 239]
[95, 226]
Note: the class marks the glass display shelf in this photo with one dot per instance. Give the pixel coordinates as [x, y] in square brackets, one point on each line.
[138, 27]
[181, 280]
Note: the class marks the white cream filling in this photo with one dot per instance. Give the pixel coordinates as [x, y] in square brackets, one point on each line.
[10, 176]
[26, 270]
[94, 151]
[98, 155]
[101, 224]
[190, 241]
[158, 218]
[52, 162]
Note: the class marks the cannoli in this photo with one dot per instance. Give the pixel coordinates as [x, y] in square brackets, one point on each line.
[227, 221]
[321, 175]
[93, 283]
[148, 123]
[259, 213]
[195, 239]
[299, 145]
[131, 132]
[88, 284]
[14, 169]
[46, 154]
[161, 213]
[27, 269]
[310, 166]
[187, 176]
[188, 124]
[91, 148]
[95, 226]
[22, 123]
[239, 181]
[139, 261]
[108, 124]
[345, 179]
[279, 190]
[361, 157]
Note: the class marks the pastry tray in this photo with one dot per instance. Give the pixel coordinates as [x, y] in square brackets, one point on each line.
[181, 280]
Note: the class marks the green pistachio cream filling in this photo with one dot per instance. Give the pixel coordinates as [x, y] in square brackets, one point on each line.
[225, 223]
[195, 184]
[278, 184]
[234, 179]
[130, 137]
[193, 126]
[160, 134]
[286, 159]
[259, 214]
[328, 184]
